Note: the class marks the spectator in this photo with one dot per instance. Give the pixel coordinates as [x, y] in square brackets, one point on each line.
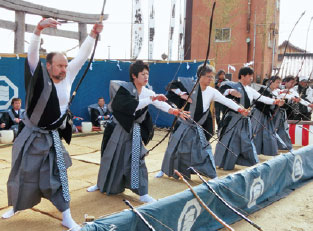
[12, 118]
[98, 112]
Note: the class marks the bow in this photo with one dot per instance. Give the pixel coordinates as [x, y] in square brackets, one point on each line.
[195, 85]
[202, 203]
[91, 59]
[223, 201]
[149, 226]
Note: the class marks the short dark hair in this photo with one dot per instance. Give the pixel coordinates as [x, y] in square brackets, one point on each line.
[16, 99]
[219, 73]
[137, 67]
[273, 79]
[245, 71]
[289, 78]
[203, 69]
[50, 56]
[100, 98]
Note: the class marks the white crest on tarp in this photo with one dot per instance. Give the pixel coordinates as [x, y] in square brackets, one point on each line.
[151, 29]
[5, 92]
[171, 30]
[297, 169]
[137, 29]
[256, 190]
[189, 215]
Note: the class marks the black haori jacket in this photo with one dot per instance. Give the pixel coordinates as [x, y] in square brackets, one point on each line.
[42, 103]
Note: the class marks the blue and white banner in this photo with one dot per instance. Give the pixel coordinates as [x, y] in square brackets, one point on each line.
[171, 30]
[151, 29]
[137, 29]
[248, 191]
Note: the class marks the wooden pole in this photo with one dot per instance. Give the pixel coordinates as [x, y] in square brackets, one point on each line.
[19, 35]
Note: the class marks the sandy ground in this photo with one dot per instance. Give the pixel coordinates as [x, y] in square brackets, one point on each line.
[292, 213]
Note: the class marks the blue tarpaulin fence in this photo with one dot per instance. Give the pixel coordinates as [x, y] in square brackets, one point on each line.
[96, 83]
[249, 190]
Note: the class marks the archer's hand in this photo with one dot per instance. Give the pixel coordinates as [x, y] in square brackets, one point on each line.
[279, 102]
[311, 105]
[2, 125]
[235, 93]
[47, 23]
[182, 114]
[159, 97]
[243, 111]
[97, 29]
[185, 97]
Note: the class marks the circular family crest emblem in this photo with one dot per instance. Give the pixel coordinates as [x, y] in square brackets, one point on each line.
[256, 190]
[189, 215]
[297, 170]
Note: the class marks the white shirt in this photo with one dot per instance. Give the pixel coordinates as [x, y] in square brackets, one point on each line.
[253, 94]
[211, 94]
[145, 100]
[292, 93]
[64, 87]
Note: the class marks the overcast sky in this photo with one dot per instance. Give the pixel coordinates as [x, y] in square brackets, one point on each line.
[116, 34]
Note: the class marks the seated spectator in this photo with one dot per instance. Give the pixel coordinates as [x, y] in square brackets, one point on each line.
[98, 112]
[12, 118]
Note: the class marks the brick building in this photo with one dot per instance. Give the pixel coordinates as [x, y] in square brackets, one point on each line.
[243, 31]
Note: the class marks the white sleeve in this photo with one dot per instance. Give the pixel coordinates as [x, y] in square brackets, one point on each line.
[304, 102]
[143, 103]
[263, 99]
[33, 52]
[161, 105]
[217, 96]
[75, 65]
[146, 100]
[227, 92]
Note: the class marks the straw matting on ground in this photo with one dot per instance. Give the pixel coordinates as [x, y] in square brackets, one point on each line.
[292, 213]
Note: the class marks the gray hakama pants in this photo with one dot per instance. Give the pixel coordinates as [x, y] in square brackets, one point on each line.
[115, 167]
[34, 173]
[185, 150]
[282, 129]
[263, 134]
[240, 147]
